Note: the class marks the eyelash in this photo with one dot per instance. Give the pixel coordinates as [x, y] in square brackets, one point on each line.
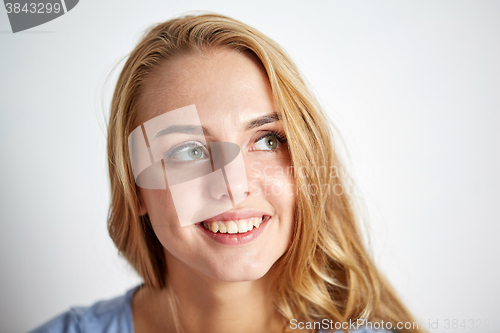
[278, 135]
[174, 150]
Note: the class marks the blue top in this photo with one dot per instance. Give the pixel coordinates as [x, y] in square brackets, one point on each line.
[109, 316]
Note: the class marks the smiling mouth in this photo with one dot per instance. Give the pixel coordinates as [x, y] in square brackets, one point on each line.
[234, 226]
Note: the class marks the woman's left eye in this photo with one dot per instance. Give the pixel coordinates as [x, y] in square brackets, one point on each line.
[268, 142]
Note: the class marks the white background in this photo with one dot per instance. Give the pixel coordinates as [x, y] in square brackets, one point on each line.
[413, 86]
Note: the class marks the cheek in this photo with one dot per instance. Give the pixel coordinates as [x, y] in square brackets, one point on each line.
[160, 208]
[273, 179]
[165, 223]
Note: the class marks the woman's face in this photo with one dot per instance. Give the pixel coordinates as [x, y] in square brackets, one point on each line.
[233, 99]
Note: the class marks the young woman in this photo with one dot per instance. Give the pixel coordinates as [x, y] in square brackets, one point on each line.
[227, 196]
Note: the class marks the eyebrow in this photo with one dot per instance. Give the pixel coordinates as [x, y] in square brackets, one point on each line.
[185, 129]
[197, 130]
[266, 119]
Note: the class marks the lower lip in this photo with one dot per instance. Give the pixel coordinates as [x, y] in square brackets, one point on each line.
[235, 239]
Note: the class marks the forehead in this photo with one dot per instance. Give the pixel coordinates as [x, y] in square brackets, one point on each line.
[224, 84]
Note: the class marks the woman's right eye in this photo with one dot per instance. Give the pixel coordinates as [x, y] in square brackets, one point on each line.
[188, 152]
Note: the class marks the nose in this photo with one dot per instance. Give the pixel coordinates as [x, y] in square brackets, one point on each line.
[236, 178]
[228, 159]
[218, 187]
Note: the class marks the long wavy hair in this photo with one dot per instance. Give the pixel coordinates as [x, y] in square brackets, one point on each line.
[327, 272]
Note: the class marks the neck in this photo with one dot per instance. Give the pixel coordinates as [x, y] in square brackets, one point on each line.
[203, 304]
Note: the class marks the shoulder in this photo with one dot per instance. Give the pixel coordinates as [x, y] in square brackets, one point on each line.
[107, 316]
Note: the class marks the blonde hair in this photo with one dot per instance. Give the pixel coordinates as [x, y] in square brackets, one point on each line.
[327, 272]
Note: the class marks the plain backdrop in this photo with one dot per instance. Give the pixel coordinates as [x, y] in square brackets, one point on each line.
[413, 86]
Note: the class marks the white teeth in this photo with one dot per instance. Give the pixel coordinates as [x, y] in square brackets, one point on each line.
[242, 226]
[233, 227]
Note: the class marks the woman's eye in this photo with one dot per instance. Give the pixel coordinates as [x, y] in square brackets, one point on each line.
[189, 153]
[269, 142]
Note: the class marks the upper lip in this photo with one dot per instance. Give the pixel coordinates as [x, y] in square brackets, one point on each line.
[236, 215]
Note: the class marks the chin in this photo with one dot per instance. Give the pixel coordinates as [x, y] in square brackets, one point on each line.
[238, 272]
